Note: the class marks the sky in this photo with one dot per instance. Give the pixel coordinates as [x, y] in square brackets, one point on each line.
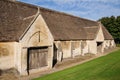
[90, 9]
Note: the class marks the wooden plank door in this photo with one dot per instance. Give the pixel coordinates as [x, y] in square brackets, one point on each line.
[38, 57]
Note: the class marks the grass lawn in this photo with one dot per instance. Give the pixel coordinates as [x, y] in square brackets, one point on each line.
[103, 68]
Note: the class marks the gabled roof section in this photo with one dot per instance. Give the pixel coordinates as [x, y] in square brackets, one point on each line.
[67, 27]
[107, 35]
[15, 17]
[91, 32]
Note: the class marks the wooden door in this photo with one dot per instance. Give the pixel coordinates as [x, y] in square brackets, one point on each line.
[37, 57]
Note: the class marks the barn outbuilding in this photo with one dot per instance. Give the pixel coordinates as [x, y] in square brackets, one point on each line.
[33, 38]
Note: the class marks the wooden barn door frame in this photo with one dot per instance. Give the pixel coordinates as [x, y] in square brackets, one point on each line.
[28, 60]
[28, 55]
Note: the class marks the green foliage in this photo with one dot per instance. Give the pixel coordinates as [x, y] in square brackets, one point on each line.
[118, 45]
[103, 68]
[113, 26]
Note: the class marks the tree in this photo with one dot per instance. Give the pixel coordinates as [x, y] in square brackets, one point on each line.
[113, 26]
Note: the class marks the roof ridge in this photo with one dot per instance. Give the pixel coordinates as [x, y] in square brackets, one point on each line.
[60, 12]
[22, 3]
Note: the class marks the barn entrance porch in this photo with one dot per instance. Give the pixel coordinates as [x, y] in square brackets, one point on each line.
[99, 47]
[57, 55]
[37, 57]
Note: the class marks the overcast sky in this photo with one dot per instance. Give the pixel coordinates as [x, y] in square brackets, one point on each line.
[90, 9]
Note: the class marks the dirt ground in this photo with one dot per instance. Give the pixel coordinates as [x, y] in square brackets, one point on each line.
[12, 74]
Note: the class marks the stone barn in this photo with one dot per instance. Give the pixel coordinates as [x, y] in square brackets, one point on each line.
[33, 39]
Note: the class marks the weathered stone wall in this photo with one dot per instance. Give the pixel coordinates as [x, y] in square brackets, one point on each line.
[92, 46]
[108, 44]
[99, 36]
[113, 43]
[76, 48]
[66, 49]
[7, 53]
[17, 56]
[88, 46]
[84, 47]
[70, 49]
